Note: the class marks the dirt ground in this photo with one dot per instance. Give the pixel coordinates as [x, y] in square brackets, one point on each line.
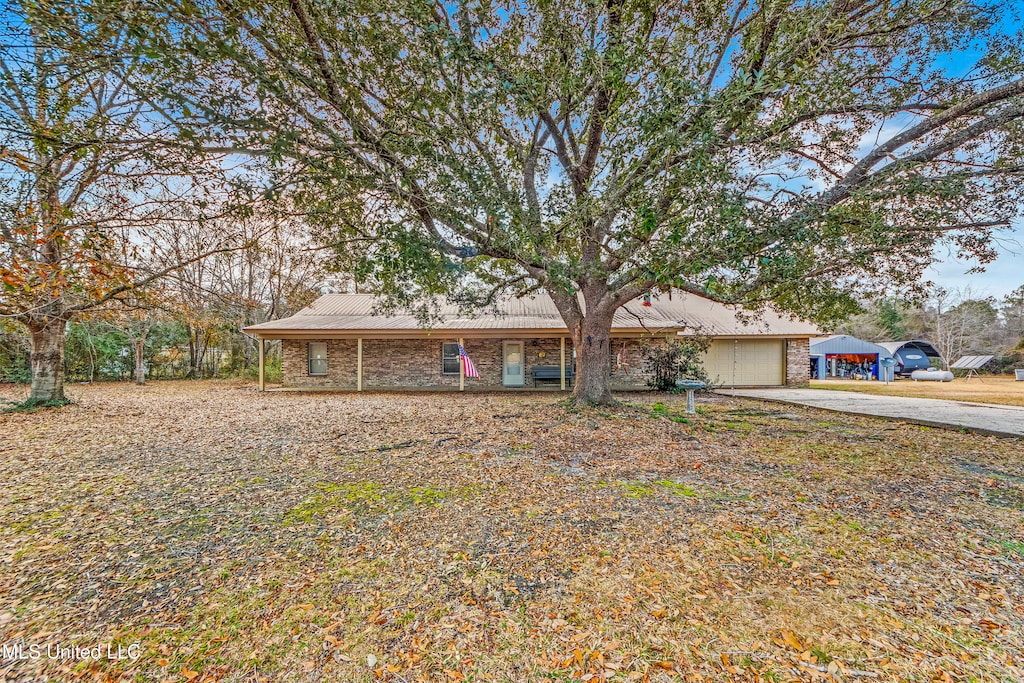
[214, 533]
[1001, 390]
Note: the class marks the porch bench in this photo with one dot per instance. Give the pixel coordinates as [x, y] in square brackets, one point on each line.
[550, 373]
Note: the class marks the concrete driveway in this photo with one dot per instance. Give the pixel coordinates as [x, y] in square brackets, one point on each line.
[985, 418]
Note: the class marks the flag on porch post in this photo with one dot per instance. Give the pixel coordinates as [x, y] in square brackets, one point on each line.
[468, 369]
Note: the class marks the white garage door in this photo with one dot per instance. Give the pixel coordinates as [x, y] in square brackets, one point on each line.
[747, 362]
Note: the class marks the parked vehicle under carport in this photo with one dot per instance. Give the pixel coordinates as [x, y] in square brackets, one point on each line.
[909, 360]
[911, 356]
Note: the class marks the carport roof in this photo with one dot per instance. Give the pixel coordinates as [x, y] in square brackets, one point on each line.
[924, 347]
[844, 343]
[351, 315]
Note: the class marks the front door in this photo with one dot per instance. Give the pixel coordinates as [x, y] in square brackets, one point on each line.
[513, 373]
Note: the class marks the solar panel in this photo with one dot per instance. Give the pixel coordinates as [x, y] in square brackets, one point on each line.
[970, 362]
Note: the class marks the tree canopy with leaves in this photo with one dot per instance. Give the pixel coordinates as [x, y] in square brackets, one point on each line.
[750, 151]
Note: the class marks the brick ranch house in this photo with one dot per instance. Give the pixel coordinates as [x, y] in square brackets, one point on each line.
[341, 342]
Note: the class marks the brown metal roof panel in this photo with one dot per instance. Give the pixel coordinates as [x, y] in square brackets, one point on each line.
[352, 312]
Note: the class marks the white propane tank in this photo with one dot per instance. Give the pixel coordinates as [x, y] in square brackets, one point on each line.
[931, 376]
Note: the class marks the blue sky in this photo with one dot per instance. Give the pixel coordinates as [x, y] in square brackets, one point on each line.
[1007, 272]
[1000, 277]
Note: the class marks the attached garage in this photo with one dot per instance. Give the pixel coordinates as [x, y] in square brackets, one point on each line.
[747, 362]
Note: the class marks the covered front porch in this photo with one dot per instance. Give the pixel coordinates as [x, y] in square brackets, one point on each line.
[434, 363]
[377, 363]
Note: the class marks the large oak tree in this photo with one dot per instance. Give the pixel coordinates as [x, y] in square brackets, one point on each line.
[798, 152]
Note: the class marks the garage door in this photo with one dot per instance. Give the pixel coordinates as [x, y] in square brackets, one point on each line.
[747, 362]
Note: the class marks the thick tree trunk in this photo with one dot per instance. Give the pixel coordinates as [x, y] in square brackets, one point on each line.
[592, 340]
[48, 362]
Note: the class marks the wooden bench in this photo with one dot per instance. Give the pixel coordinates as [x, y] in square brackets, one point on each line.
[550, 373]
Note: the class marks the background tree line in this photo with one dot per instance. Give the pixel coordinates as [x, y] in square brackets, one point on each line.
[200, 336]
[190, 327]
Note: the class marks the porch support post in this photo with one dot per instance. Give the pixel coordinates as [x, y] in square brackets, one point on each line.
[262, 366]
[462, 370]
[562, 364]
[359, 364]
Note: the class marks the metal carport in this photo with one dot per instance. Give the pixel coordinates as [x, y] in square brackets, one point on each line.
[828, 353]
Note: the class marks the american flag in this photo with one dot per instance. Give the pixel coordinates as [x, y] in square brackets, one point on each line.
[468, 369]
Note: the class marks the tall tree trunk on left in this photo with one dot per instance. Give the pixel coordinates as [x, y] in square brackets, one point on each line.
[47, 360]
[193, 353]
[140, 359]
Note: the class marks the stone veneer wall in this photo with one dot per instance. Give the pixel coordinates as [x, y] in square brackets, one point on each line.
[798, 362]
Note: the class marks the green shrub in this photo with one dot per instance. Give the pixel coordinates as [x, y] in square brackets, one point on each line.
[682, 359]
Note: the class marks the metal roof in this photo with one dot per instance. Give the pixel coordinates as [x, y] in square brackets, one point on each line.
[359, 314]
[924, 347]
[844, 343]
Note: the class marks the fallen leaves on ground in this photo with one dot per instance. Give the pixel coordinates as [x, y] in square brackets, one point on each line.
[239, 536]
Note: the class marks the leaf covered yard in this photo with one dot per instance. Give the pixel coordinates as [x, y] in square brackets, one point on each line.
[238, 536]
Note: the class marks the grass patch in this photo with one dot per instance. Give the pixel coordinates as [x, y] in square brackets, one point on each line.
[633, 489]
[998, 389]
[333, 500]
[1012, 548]
[33, 405]
[677, 489]
[1005, 498]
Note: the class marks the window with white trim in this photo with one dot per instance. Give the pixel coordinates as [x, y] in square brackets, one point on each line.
[317, 358]
[450, 359]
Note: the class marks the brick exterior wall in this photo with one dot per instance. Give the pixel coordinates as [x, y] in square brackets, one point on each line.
[798, 362]
[409, 363]
[628, 366]
[341, 364]
[395, 363]
[552, 356]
